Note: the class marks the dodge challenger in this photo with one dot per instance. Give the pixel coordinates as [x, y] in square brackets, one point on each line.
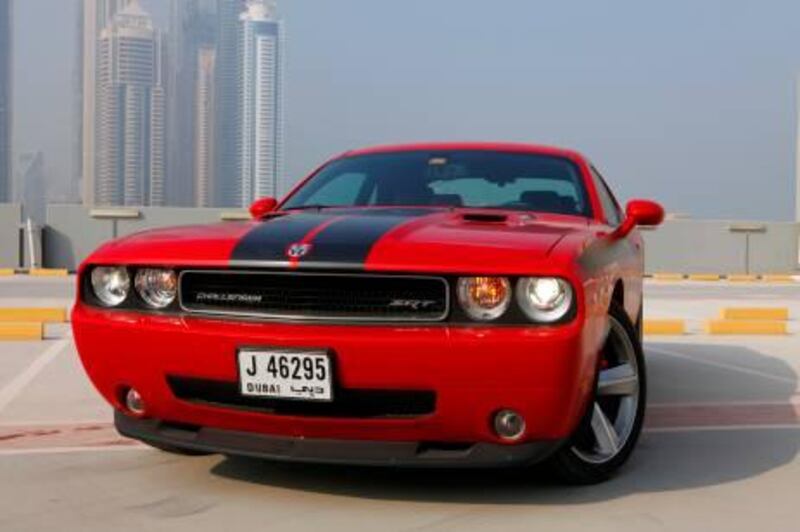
[429, 305]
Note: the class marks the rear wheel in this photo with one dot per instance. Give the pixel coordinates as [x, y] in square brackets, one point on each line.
[610, 429]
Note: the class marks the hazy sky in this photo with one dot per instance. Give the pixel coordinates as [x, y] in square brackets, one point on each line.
[690, 102]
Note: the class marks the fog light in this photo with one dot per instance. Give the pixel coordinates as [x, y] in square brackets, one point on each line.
[134, 402]
[509, 425]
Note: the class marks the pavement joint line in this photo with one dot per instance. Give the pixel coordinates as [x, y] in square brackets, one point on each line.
[722, 365]
[793, 400]
[134, 446]
[138, 446]
[59, 423]
[714, 428]
[12, 390]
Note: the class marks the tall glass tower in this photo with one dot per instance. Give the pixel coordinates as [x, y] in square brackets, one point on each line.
[130, 123]
[226, 85]
[261, 104]
[193, 32]
[96, 16]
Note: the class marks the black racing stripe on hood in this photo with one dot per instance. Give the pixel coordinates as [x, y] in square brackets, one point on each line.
[269, 240]
[350, 240]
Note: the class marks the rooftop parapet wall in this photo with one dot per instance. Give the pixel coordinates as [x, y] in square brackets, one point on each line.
[679, 246]
[10, 219]
[722, 247]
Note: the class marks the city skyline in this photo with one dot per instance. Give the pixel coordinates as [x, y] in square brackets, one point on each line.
[661, 116]
[152, 103]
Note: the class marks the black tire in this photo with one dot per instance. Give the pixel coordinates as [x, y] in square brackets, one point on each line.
[567, 463]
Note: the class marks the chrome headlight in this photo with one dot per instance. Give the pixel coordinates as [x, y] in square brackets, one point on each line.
[544, 299]
[111, 285]
[484, 298]
[157, 287]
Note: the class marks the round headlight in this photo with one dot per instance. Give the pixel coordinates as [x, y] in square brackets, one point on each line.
[157, 287]
[484, 298]
[111, 285]
[544, 299]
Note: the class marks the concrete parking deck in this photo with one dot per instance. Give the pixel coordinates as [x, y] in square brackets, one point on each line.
[720, 449]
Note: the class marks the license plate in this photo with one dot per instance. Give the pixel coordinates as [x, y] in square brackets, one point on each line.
[284, 374]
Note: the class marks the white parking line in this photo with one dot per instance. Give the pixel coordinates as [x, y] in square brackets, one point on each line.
[721, 365]
[16, 386]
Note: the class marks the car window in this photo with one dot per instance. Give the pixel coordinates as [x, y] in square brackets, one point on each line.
[467, 178]
[342, 191]
[610, 206]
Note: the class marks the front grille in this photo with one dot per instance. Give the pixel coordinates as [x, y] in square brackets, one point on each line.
[346, 403]
[311, 296]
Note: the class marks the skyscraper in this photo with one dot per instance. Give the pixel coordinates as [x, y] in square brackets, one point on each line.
[130, 119]
[261, 105]
[96, 16]
[226, 86]
[5, 100]
[204, 116]
[193, 31]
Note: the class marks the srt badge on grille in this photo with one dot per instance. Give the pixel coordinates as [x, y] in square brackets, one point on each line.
[412, 304]
[297, 251]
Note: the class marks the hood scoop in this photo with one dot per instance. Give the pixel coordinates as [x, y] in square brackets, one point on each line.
[484, 217]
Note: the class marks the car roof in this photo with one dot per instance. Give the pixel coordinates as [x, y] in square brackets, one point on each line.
[514, 147]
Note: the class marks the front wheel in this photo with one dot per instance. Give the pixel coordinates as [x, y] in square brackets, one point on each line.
[606, 437]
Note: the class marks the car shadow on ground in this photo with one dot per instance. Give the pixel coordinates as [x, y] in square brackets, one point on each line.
[664, 461]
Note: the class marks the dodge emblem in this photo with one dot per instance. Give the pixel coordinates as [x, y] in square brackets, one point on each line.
[297, 251]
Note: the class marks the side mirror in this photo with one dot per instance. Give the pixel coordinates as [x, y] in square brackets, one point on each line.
[261, 207]
[638, 213]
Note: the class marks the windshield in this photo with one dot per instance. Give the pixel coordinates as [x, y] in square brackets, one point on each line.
[484, 179]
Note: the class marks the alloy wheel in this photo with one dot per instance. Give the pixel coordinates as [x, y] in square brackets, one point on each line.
[617, 396]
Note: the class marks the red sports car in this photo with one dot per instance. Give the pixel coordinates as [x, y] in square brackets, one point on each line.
[423, 305]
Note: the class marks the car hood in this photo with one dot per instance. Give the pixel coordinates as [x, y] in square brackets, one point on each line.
[376, 239]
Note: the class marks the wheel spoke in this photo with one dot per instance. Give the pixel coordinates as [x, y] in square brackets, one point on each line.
[619, 380]
[604, 432]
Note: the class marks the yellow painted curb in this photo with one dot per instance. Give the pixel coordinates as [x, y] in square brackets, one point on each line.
[46, 272]
[39, 315]
[21, 331]
[778, 278]
[740, 278]
[668, 276]
[746, 327]
[6, 272]
[704, 277]
[664, 327]
[755, 313]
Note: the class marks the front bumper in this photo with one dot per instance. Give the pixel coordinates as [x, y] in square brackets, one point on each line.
[328, 451]
[546, 374]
